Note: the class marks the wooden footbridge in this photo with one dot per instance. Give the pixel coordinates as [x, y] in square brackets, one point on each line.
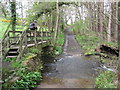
[14, 43]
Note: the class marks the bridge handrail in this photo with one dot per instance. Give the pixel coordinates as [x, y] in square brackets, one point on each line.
[20, 38]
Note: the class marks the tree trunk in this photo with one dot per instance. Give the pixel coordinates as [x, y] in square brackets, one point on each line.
[119, 44]
[90, 15]
[109, 25]
[98, 16]
[22, 10]
[101, 19]
[56, 27]
[116, 26]
[13, 14]
[96, 20]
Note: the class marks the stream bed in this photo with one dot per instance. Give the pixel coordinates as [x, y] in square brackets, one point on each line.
[71, 69]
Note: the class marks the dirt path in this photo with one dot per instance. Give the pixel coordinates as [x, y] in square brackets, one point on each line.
[71, 70]
[71, 46]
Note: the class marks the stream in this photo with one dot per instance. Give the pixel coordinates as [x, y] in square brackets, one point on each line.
[71, 69]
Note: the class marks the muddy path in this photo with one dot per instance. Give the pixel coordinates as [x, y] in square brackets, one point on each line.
[71, 70]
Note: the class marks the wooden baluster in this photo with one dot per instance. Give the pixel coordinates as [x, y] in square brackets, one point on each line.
[47, 35]
[9, 40]
[1, 55]
[25, 40]
[35, 37]
[21, 43]
[39, 33]
[20, 49]
[42, 35]
[1, 58]
[50, 36]
[2, 48]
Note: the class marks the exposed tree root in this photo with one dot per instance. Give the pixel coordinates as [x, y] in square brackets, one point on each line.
[107, 50]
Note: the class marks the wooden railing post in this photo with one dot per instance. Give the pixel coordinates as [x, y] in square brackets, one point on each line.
[8, 39]
[22, 44]
[1, 56]
[47, 35]
[20, 49]
[1, 61]
[35, 37]
[42, 35]
[25, 39]
[50, 35]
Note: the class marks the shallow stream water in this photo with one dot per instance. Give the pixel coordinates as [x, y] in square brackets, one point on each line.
[71, 69]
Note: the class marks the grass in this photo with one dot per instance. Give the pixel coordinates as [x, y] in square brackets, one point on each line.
[3, 27]
[88, 43]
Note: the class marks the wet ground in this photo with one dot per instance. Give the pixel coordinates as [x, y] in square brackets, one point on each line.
[71, 70]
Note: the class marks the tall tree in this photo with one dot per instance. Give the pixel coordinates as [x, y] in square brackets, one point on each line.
[119, 44]
[56, 26]
[109, 25]
[116, 27]
[13, 13]
[101, 19]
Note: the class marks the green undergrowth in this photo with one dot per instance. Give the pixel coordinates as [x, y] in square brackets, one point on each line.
[89, 41]
[3, 27]
[28, 77]
[87, 38]
[59, 44]
[106, 79]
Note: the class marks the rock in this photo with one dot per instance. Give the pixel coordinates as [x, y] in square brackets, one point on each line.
[14, 79]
